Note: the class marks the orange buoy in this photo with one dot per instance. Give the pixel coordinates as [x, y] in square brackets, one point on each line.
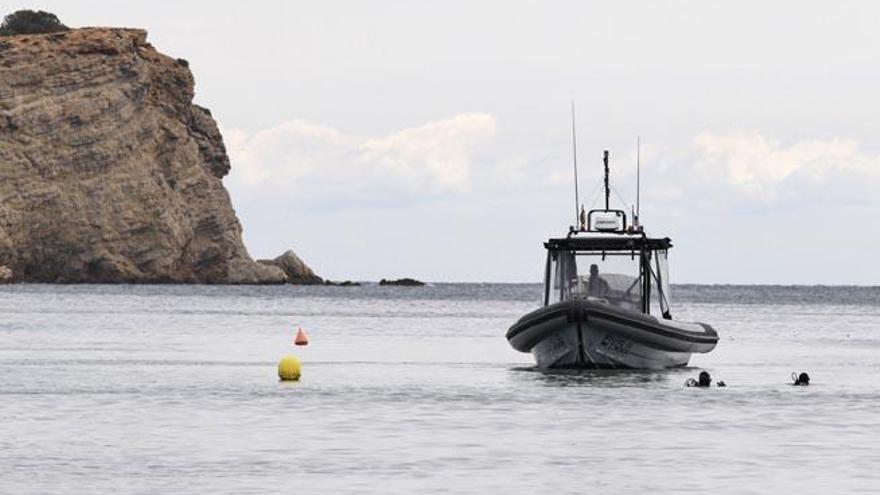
[301, 338]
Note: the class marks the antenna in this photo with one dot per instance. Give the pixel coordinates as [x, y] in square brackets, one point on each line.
[607, 187]
[638, 175]
[575, 154]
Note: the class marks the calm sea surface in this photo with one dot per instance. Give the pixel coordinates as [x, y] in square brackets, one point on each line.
[173, 389]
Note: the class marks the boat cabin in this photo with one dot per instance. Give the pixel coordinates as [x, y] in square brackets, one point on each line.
[611, 263]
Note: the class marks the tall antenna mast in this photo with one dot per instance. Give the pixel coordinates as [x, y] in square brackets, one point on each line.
[575, 154]
[607, 187]
[638, 175]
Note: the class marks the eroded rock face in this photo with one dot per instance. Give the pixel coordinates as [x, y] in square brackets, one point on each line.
[295, 269]
[108, 171]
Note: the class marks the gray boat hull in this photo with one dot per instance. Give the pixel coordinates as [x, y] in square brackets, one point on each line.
[594, 334]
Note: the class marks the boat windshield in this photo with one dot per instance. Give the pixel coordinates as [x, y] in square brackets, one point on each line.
[610, 276]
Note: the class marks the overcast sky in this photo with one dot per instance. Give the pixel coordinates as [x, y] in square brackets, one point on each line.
[432, 139]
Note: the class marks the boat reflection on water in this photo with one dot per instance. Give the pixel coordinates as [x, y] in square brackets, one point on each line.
[601, 378]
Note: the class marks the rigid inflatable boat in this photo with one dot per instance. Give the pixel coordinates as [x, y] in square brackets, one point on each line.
[606, 300]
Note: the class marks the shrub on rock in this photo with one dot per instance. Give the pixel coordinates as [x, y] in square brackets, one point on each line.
[31, 22]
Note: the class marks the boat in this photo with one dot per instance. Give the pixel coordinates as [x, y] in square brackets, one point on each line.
[606, 300]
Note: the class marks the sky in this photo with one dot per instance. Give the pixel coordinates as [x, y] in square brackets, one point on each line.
[432, 140]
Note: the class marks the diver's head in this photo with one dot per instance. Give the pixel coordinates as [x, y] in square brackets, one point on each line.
[803, 379]
[705, 380]
[594, 269]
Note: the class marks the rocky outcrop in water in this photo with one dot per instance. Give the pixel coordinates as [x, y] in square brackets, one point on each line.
[295, 270]
[403, 282]
[344, 283]
[108, 171]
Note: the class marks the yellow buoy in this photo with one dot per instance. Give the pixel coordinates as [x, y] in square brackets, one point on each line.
[289, 368]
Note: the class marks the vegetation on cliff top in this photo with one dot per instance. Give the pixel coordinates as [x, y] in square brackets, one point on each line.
[31, 22]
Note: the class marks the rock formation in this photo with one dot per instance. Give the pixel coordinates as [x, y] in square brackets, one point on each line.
[405, 282]
[108, 171]
[5, 275]
[296, 271]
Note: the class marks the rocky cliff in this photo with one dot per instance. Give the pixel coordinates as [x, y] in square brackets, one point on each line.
[108, 171]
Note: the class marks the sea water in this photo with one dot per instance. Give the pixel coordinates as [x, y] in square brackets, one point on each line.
[174, 389]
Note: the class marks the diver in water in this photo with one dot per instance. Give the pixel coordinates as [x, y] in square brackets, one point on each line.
[801, 380]
[596, 287]
[704, 380]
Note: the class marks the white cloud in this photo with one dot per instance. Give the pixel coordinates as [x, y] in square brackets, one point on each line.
[755, 168]
[442, 149]
[319, 162]
[312, 163]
